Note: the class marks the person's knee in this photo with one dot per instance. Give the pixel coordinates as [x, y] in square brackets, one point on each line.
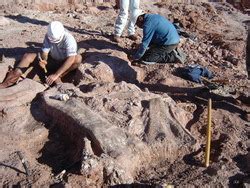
[78, 59]
[29, 57]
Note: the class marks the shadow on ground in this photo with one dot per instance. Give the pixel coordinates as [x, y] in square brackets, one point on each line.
[57, 152]
[100, 44]
[25, 19]
[18, 52]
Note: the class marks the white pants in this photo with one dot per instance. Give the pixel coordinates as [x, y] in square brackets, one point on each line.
[120, 23]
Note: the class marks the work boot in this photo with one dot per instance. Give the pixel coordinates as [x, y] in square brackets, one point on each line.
[116, 39]
[179, 55]
[133, 37]
[11, 78]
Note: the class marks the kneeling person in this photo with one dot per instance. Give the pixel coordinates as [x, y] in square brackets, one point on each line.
[59, 56]
[160, 40]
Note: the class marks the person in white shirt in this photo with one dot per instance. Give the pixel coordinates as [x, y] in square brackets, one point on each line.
[59, 56]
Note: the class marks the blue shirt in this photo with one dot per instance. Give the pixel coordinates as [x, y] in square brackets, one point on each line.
[157, 30]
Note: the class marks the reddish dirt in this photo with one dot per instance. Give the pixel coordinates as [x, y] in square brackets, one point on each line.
[221, 44]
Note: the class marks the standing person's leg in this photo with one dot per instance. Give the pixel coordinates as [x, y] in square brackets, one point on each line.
[13, 75]
[121, 20]
[133, 7]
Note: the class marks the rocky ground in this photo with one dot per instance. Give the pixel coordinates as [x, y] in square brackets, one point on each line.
[125, 125]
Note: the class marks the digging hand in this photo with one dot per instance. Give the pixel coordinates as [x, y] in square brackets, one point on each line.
[51, 78]
[42, 64]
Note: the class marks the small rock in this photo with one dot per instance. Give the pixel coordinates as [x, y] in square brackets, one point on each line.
[225, 53]
[227, 64]
[76, 16]
[246, 185]
[146, 89]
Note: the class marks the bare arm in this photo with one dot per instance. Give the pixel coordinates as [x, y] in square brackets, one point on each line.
[66, 65]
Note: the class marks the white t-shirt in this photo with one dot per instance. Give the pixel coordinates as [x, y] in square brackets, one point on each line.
[60, 51]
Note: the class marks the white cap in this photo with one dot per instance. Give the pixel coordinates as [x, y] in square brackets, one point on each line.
[55, 31]
[135, 14]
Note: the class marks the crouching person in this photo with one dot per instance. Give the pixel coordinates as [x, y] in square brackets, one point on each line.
[159, 42]
[59, 57]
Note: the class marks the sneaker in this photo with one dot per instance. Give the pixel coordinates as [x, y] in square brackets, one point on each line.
[179, 55]
[133, 37]
[116, 38]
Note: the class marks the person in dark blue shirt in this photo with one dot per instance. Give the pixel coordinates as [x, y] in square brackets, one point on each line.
[160, 40]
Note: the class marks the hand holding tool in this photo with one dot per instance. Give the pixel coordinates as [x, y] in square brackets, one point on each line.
[42, 63]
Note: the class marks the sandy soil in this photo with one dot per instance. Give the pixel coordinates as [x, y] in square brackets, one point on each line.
[221, 44]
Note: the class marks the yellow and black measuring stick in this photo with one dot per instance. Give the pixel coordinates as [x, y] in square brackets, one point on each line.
[208, 138]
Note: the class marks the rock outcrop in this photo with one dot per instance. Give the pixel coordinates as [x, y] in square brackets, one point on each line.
[127, 128]
[15, 101]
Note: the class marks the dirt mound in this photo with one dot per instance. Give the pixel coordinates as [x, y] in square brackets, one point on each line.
[125, 125]
[117, 125]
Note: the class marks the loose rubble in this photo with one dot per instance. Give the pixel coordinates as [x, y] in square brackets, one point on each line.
[119, 124]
